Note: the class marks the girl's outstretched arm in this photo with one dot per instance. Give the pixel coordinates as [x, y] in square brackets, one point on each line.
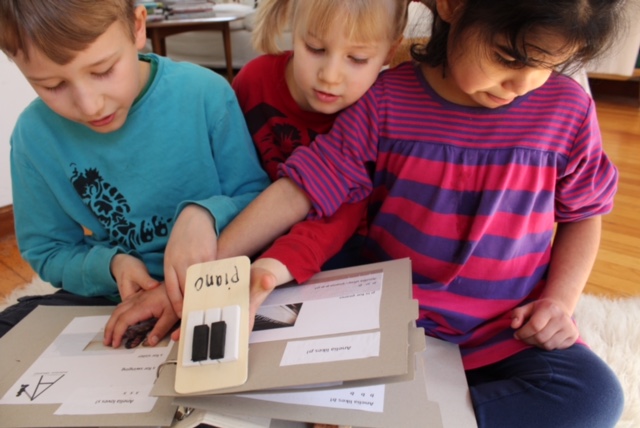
[575, 248]
[270, 215]
[547, 322]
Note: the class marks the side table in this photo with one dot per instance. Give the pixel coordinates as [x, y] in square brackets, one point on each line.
[159, 30]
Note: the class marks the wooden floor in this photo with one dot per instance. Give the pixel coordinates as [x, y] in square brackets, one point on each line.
[14, 271]
[617, 269]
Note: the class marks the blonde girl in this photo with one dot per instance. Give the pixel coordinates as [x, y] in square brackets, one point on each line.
[288, 98]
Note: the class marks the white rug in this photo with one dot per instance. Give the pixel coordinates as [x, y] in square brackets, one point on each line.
[610, 326]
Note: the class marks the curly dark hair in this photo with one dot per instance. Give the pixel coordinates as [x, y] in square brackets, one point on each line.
[588, 27]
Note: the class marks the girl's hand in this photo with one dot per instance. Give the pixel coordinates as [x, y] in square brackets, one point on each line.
[140, 307]
[266, 274]
[131, 275]
[263, 283]
[544, 323]
[193, 240]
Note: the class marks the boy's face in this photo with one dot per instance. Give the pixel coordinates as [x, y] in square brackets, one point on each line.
[99, 86]
[328, 74]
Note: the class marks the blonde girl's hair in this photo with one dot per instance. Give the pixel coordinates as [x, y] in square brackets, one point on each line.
[361, 19]
[61, 28]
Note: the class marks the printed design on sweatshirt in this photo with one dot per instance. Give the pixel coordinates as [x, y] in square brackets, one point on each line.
[285, 139]
[274, 136]
[111, 209]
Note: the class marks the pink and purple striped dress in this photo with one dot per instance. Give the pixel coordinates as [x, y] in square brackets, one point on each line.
[470, 194]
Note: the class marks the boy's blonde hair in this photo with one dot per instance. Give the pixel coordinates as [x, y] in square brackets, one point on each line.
[60, 28]
[361, 19]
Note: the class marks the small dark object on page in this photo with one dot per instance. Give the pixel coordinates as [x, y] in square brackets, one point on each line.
[137, 333]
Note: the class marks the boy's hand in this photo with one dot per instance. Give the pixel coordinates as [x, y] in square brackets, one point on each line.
[131, 275]
[193, 240]
[140, 307]
[545, 324]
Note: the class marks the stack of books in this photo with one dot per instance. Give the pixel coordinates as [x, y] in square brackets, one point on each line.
[155, 10]
[189, 9]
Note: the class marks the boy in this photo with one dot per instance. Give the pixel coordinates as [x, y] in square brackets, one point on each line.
[115, 147]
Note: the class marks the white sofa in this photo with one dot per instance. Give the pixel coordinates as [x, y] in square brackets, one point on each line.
[206, 47]
[620, 60]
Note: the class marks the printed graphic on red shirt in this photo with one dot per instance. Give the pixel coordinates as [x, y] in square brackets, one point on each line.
[275, 136]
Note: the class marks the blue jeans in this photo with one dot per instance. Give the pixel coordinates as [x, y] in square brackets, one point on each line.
[551, 389]
[349, 255]
[15, 313]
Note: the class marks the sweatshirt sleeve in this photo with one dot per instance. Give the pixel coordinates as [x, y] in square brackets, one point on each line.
[53, 243]
[239, 171]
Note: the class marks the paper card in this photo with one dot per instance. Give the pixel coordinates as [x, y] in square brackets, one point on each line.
[214, 333]
[341, 348]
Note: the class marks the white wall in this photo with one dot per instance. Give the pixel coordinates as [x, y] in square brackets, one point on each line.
[15, 95]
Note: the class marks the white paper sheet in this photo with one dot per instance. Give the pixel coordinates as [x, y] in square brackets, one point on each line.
[108, 400]
[339, 348]
[293, 312]
[76, 366]
[368, 398]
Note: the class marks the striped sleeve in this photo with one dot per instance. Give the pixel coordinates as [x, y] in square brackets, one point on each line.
[334, 168]
[589, 182]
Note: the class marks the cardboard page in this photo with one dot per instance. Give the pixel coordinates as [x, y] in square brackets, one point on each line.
[24, 344]
[443, 400]
[267, 366]
[402, 403]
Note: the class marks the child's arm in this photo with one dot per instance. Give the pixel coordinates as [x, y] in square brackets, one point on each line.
[270, 215]
[311, 243]
[193, 240]
[547, 322]
[240, 178]
[131, 275]
[301, 253]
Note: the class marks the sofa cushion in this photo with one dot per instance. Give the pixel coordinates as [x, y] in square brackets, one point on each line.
[250, 21]
[234, 9]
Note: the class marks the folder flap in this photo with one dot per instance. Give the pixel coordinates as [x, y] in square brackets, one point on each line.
[266, 370]
[406, 403]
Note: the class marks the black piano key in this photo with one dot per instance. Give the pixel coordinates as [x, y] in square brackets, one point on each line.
[200, 343]
[216, 343]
